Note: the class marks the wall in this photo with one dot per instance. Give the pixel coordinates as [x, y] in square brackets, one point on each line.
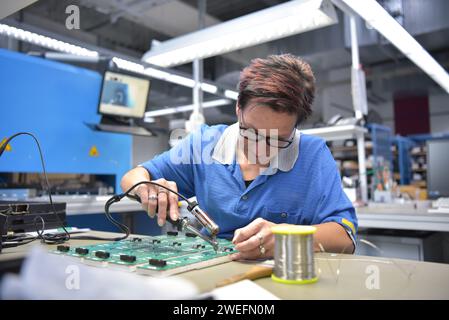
[336, 99]
[145, 148]
[439, 113]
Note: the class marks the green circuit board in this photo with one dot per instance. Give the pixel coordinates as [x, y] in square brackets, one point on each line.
[156, 256]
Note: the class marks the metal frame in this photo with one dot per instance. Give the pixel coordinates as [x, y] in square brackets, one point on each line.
[359, 98]
[403, 147]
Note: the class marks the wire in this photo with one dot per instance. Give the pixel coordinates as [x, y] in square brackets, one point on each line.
[54, 239]
[117, 198]
[20, 240]
[118, 224]
[61, 238]
[127, 192]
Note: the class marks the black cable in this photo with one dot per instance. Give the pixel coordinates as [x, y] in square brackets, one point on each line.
[127, 192]
[55, 239]
[118, 224]
[61, 238]
[14, 242]
[19, 241]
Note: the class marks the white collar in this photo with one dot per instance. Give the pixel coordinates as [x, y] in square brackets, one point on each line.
[225, 149]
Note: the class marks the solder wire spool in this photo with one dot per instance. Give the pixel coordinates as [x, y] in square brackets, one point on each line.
[293, 255]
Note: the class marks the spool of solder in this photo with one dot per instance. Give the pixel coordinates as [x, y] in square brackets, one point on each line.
[293, 254]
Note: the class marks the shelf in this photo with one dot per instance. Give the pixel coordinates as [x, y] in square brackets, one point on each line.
[419, 154]
[349, 149]
[345, 132]
[336, 132]
[422, 184]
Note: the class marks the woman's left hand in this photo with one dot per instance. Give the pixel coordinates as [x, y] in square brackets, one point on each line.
[255, 241]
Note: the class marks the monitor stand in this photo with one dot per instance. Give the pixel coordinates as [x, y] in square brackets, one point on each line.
[121, 125]
[117, 121]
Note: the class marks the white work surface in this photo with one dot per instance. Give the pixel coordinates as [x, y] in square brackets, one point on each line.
[402, 219]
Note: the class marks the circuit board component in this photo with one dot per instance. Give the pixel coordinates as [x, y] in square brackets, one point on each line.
[155, 256]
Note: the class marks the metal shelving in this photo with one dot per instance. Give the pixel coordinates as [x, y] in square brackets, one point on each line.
[344, 132]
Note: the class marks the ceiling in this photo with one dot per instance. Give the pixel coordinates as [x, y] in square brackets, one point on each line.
[130, 26]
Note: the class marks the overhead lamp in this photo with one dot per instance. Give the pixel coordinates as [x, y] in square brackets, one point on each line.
[376, 16]
[45, 42]
[156, 73]
[185, 108]
[273, 23]
[162, 75]
[231, 94]
[210, 88]
[60, 46]
[128, 65]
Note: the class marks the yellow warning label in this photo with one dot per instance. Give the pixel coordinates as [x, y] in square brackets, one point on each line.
[8, 147]
[93, 152]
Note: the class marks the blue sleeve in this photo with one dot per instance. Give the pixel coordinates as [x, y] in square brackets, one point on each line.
[333, 204]
[176, 165]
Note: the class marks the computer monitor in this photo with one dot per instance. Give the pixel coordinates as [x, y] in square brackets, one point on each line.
[123, 95]
[437, 168]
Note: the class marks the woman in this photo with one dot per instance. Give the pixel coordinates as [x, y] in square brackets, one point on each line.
[259, 171]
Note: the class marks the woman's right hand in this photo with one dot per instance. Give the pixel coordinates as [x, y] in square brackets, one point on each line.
[154, 199]
[159, 200]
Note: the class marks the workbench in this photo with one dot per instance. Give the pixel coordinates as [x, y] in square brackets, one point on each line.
[380, 218]
[341, 276]
[402, 219]
[399, 218]
[405, 218]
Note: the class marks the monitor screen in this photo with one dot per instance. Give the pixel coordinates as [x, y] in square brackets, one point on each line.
[437, 171]
[124, 95]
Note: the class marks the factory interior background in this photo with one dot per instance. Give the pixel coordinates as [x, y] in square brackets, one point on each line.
[381, 104]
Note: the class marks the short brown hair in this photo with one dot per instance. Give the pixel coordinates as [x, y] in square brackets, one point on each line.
[284, 82]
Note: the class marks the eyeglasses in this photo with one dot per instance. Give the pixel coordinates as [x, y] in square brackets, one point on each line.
[253, 135]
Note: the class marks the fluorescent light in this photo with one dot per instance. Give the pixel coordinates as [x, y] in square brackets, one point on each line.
[190, 107]
[155, 73]
[206, 87]
[216, 103]
[266, 25]
[183, 81]
[61, 46]
[128, 65]
[231, 94]
[45, 42]
[374, 14]
[162, 75]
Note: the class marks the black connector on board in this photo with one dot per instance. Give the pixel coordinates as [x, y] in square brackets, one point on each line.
[172, 233]
[157, 262]
[102, 254]
[63, 248]
[127, 258]
[190, 235]
[82, 251]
